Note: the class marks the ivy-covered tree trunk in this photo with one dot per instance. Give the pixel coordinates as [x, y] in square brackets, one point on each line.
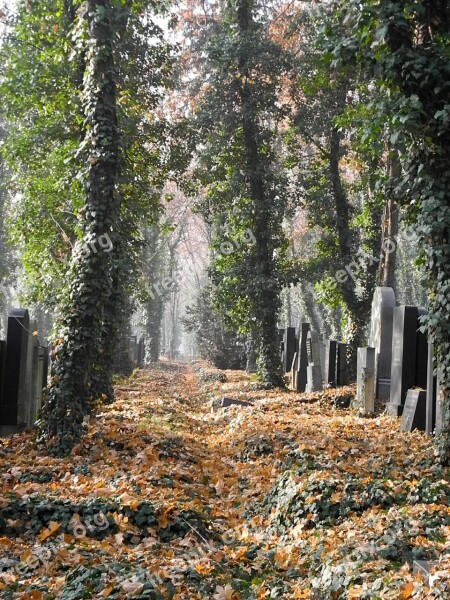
[266, 284]
[357, 310]
[389, 227]
[91, 284]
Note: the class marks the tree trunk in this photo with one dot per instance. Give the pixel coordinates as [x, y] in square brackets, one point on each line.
[91, 285]
[389, 240]
[268, 295]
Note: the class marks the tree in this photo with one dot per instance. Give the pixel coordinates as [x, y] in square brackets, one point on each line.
[333, 184]
[246, 187]
[81, 206]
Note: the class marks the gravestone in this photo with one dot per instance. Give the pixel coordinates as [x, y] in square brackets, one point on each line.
[314, 371]
[33, 375]
[2, 366]
[46, 366]
[331, 363]
[404, 356]
[294, 370]
[414, 411]
[365, 381]
[15, 394]
[431, 392]
[341, 371]
[141, 352]
[289, 348]
[301, 378]
[380, 338]
[421, 353]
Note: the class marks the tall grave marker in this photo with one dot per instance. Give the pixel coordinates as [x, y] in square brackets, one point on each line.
[404, 357]
[14, 395]
[380, 338]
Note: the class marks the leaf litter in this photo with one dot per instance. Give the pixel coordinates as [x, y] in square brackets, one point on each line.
[286, 496]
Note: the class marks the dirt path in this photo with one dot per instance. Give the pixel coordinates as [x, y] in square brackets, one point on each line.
[165, 498]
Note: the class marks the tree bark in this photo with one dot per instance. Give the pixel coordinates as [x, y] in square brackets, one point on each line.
[91, 285]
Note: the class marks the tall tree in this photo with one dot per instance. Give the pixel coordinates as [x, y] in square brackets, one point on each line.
[246, 188]
[91, 284]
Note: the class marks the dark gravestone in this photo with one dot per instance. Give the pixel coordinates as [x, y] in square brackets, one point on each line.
[141, 352]
[289, 348]
[431, 392]
[2, 366]
[14, 395]
[421, 354]
[331, 363]
[414, 411]
[404, 346]
[302, 360]
[341, 371]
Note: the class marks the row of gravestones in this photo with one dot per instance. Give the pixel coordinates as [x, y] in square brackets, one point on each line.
[24, 366]
[310, 363]
[397, 365]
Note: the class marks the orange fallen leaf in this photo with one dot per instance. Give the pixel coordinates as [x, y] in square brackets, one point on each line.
[53, 526]
[407, 591]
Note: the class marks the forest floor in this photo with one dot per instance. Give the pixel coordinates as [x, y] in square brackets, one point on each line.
[170, 496]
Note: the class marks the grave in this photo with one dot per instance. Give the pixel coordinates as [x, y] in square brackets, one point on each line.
[380, 338]
[14, 397]
[421, 353]
[289, 348]
[331, 363]
[414, 411]
[314, 370]
[365, 381]
[294, 370]
[301, 376]
[341, 370]
[404, 357]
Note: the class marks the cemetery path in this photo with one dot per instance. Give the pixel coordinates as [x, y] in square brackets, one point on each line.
[170, 496]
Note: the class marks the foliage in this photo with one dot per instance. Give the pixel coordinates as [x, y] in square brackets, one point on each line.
[404, 48]
[223, 347]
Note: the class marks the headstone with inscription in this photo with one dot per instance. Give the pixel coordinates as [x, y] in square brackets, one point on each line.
[380, 338]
